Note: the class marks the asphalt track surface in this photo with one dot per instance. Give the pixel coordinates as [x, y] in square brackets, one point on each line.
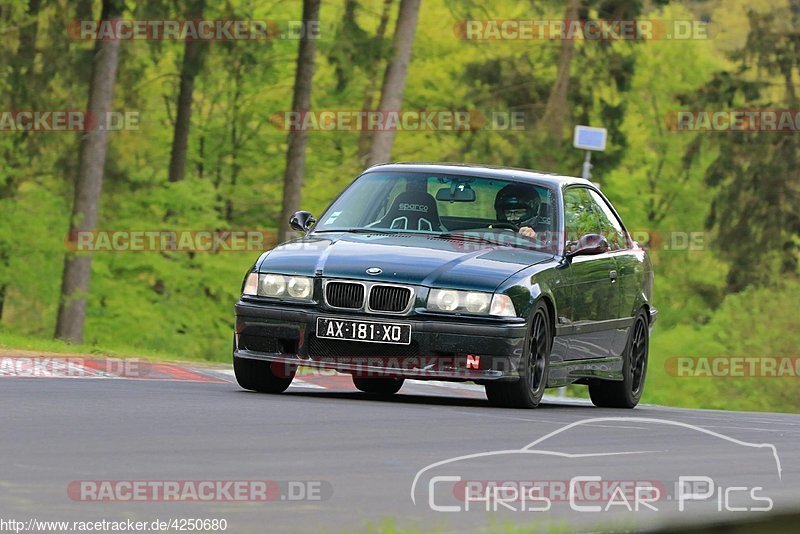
[355, 461]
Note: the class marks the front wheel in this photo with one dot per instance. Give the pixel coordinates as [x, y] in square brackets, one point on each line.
[534, 370]
[261, 376]
[378, 386]
[627, 392]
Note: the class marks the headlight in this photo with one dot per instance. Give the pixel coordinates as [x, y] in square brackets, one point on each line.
[449, 300]
[272, 285]
[477, 302]
[278, 285]
[443, 300]
[300, 287]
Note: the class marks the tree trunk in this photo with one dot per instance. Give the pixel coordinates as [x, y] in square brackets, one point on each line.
[77, 268]
[236, 141]
[301, 101]
[555, 112]
[365, 136]
[192, 61]
[394, 80]
[2, 299]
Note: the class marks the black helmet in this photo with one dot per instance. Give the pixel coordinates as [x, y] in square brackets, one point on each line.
[517, 203]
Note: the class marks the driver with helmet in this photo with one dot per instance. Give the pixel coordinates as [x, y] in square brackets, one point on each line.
[518, 204]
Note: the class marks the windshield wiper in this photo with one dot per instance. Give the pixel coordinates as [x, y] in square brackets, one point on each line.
[358, 231]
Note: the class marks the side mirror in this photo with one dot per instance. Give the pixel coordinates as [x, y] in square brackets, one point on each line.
[589, 245]
[302, 221]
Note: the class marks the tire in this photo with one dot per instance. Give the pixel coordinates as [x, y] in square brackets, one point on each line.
[378, 386]
[261, 376]
[627, 392]
[534, 368]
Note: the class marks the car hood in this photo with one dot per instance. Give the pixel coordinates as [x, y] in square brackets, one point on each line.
[403, 258]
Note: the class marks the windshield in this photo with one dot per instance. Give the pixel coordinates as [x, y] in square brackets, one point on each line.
[440, 204]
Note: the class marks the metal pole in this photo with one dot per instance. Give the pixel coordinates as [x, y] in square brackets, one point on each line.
[587, 166]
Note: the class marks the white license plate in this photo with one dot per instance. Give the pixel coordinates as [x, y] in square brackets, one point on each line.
[366, 331]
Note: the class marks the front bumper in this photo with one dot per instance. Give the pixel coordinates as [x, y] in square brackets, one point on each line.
[442, 348]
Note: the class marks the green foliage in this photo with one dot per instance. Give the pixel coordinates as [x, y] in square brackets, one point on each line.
[758, 322]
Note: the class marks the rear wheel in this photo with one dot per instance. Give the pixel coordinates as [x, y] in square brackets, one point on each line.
[627, 392]
[534, 369]
[378, 386]
[261, 376]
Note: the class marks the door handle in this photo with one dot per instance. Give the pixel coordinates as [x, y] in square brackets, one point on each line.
[613, 275]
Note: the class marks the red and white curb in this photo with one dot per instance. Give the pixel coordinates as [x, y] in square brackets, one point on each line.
[103, 368]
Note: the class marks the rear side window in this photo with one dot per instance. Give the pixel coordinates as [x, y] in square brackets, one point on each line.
[611, 225]
[586, 212]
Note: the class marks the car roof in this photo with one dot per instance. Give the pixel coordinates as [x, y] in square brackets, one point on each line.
[483, 171]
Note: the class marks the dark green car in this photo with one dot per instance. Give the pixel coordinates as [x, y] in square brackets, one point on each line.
[514, 279]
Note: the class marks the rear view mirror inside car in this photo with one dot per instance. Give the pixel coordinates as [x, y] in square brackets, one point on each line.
[458, 192]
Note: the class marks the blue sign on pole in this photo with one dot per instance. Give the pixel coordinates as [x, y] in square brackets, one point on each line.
[588, 138]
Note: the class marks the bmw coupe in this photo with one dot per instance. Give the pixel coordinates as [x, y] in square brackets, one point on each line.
[514, 279]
